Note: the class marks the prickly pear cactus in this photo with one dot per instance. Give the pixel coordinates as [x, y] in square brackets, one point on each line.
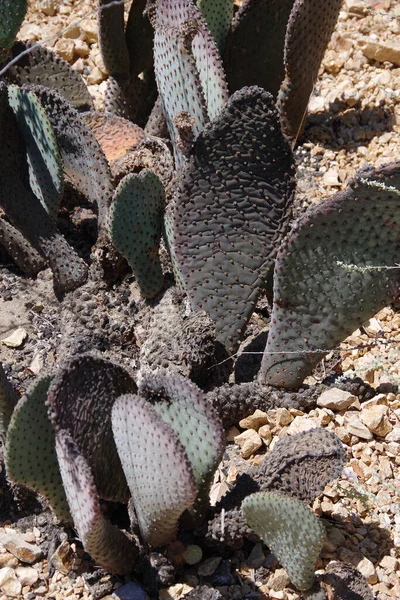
[115, 135]
[8, 400]
[290, 529]
[30, 455]
[136, 219]
[345, 582]
[148, 449]
[110, 547]
[20, 250]
[232, 208]
[12, 13]
[333, 271]
[218, 14]
[112, 41]
[45, 165]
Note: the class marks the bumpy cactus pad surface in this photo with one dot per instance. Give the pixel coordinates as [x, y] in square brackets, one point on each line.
[255, 46]
[136, 219]
[188, 68]
[326, 283]
[115, 135]
[85, 166]
[301, 465]
[232, 208]
[291, 531]
[139, 38]
[345, 582]
[184, 407]
[8, 400]
[309, 30]
[12, 13]
[156, 466]
[80, 401]
[30, 454]
[218, 14]
[25, 211]
[21, 251]
[112, 41]
[107, 545]
[45, 165]
[40, 66]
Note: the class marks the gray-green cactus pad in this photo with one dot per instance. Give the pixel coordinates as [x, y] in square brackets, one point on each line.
[309, 30]
[20, 250]
[156, 466]
[112, 41]
[40, 66]
[12, 14]
[333, 271]
[218, 14]
[80, 401]
[232, 209]
[45, 165]
[30, 454]
[255, 46]
[184, 407]
[136, 220]
[291, 531]
[108, 546]
[8, 400]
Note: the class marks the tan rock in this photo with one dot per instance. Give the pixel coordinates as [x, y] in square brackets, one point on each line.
[95, 76]
[15, 543]
[254, 421]
[175, 592]
[279, 580]
[249, 442]
[302, 424]
[63, 558]
[27, 575]
[283, 417]
[366, 568]
[375, 418]
[265, 434]
[336, 399]
[65, 48]
[355, 427]
[380, 51]
[394, 435]
[89, 27]
[16, 339]
[9, 583]
[390, 564]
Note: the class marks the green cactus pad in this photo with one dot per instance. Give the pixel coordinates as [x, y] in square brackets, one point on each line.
[309, 30]
[8, 400]
[291, 531]
[85, 166]
[156, 466]
[232, 209]
[111, 548]
[25, 211]
[30, 455]
[301, 465]
[326, 283]
[40, 66]
[12, 14]
[184, 407]
[80, 401]
[20, 250]
[255, 46]
[136, 218]
[218, 14]
[115, 135]
[44, 160]
[189, 73]
[112, 41]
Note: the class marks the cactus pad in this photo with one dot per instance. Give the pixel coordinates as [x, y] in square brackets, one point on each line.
[149, 450]
[12, 14]
[326, 281]
[115, 135]
[80, 401]
[44, 160]
[20, 250]
[112, 41]
[30, 455]
[136, 219]
[8, 400]
[232, 209]
[291, 531]
[218, 14]
[310, 27]
[345, 582]
[108, 546]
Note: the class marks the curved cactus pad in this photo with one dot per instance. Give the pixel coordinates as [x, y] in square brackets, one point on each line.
[255, 45]
[232, 209]
[85, 166]
[184, 407]
[156, 466]
[291, 531]
[218, 14]
[20, 250]
[12, 14]
[8, 400]
[108, 546]
[44, 160]
[112, 41]
[333, 272]
[30, 455]
[80, 401]
[310, 27]
[301, 465]
[115, 135]
[136, 220]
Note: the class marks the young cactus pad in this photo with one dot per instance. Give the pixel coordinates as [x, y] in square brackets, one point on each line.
[156, 466]
[45, 165]
[232, 209]
[290, 530]
[108, 546]
[30, 454]
[336, 269]
[136, 220]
